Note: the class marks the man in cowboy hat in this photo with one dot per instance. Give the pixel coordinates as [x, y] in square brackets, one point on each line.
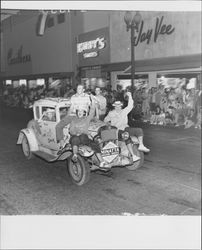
[119, 118]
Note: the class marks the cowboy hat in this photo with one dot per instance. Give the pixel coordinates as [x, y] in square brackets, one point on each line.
[117, 104]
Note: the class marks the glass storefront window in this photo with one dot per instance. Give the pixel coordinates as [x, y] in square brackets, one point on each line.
[92, 83]
[40, 82]
[32, 84]
[8, 82]
[15, 84]
[22, 82]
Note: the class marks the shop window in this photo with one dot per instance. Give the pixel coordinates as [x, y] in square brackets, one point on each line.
[15, 84]
[50, 22]
[61, 18]
[40, 82]
[23, 82]
[8, 82]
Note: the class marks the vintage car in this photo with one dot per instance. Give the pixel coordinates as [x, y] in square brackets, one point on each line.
[39, 138]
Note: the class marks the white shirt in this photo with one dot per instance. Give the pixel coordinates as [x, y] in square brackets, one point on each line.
[120, 119]
[80, 101]
[102, 104]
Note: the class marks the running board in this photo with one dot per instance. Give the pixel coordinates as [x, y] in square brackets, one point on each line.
[46, 156]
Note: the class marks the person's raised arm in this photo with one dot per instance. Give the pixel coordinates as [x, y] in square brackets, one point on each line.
[107, 118]
[129, 107]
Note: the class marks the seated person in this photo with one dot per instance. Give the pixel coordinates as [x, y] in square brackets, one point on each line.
[50, 115]
[161, 118]
[198, 122]
[119, 118]
[191, 119]
[168, 118]
[79, 125]
[153, 117]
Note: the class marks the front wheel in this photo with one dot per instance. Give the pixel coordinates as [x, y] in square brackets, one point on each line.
[26, 148]
[79, 171]
[139, 163]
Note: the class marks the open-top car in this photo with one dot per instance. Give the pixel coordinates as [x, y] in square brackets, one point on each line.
[39, 138]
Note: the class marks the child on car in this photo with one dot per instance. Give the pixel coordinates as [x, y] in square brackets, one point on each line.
[79, 125]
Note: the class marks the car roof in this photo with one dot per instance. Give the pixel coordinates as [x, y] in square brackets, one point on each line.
[53, 102]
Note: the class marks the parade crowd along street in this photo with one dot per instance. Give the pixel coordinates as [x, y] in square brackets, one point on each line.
[162, 105]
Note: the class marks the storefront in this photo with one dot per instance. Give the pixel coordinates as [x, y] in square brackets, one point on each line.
[34, 59]
[167, 44]
[93, 50]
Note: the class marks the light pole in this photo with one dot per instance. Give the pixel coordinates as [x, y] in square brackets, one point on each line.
[132, 24]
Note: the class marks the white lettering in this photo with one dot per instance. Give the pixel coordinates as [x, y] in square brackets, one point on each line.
[91, 54]
[98, 43]
[101, 43]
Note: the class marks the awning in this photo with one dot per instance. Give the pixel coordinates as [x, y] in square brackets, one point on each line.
[167, 64]
[157, 64]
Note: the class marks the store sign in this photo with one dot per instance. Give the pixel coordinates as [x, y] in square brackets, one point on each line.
[97, 44]
[93, 47]
[160, 29]
[91, 54]
[18, 58]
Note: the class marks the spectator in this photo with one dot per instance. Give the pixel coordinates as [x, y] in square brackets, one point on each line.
[198, 120]
[152, 100]
[168, 118]
[191, 119]
[145, 102]
[161, 118]
[101, 103]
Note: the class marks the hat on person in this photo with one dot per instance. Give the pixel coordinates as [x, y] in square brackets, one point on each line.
[117, 104]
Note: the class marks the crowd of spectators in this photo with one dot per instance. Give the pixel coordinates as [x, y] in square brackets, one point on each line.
[24, 98]
[168, 106]
[158, 105]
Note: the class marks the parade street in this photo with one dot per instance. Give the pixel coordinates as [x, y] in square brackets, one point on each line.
[169, 183]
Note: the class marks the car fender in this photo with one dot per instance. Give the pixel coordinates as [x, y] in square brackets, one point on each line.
[29, 133]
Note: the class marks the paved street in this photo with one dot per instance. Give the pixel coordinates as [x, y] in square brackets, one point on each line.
[169, 183]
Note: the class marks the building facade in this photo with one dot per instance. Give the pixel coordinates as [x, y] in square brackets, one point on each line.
[94, 46]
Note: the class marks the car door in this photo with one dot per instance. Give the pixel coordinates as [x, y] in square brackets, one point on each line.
[47, 125]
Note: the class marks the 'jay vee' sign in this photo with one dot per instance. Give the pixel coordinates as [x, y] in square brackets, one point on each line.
[160, 29]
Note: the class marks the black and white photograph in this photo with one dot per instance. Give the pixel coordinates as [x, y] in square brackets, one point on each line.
[100, 124]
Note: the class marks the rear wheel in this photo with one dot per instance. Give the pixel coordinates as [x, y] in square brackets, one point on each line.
[26, 148]
[139, 163]
[79, 171]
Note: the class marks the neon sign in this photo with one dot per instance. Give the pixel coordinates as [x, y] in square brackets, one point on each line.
[98, 43]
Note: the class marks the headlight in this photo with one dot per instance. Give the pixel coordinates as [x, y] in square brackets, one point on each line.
[125, 135]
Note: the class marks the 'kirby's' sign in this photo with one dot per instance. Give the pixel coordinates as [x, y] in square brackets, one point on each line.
[160, 29]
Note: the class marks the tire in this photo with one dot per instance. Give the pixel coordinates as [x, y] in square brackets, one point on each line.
[139, 163]
[26, 148]
[79, 171]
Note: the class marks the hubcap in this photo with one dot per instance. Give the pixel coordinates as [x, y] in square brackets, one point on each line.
[76, 171]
